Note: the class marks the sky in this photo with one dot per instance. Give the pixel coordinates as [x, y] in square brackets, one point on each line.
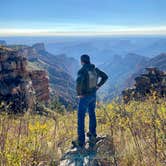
[82, 17]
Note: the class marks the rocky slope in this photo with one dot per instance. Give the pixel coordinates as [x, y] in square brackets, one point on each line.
[119, 69]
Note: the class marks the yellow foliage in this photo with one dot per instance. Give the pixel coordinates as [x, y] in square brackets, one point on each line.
[138, 130]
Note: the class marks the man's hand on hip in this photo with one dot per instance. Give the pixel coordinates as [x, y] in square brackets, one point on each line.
[97, 87]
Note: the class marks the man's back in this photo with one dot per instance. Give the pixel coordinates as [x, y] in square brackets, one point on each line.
[83, 87]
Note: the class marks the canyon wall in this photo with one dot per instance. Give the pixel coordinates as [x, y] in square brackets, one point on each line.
[20, 89]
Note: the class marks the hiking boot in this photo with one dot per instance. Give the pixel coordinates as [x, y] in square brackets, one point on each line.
[89, 134]
[93, 139]
[77, 144]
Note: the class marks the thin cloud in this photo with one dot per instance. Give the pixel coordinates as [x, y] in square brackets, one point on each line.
[75, 30]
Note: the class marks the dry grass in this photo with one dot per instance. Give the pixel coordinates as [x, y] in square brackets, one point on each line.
[138, 130]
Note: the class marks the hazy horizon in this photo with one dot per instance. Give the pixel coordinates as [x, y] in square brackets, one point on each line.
[29, 40]
[82, 17]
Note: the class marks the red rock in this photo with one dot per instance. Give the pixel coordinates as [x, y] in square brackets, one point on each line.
[40, 83]
[19, 86]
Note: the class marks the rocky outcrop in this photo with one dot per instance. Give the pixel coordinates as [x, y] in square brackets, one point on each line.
[20, 89]
[154, 81]
[40, 83]
[103, 153]
[15, 85]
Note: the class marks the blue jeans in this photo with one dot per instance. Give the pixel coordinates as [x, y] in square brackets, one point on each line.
[86, 103]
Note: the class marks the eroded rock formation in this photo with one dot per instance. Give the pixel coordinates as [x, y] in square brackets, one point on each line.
[154, 81]
[15, 83]
[20, 89]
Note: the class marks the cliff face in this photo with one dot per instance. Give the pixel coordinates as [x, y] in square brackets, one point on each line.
[18, 86]
[40, 83]
[14, 81]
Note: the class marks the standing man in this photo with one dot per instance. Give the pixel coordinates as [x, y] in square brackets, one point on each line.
[86, 85]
